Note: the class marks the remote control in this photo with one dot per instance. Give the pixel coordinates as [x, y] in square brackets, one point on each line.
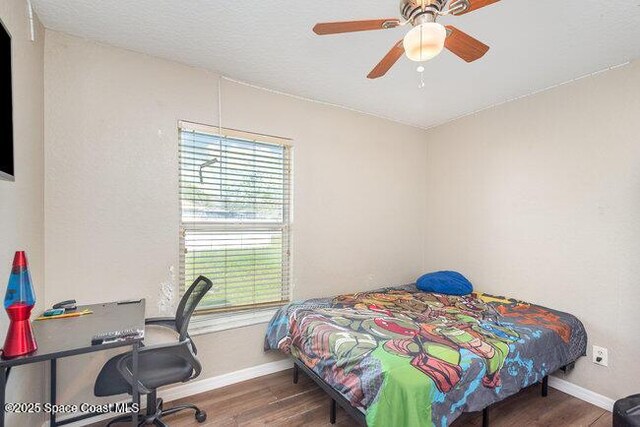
[113, 336]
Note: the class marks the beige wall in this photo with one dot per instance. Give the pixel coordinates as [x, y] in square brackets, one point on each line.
[540, 199]
[112, 196]
[22, 201]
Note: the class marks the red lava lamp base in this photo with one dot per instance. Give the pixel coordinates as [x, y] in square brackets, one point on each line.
[20, 340]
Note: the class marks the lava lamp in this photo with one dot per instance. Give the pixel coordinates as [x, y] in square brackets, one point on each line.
[19, 301]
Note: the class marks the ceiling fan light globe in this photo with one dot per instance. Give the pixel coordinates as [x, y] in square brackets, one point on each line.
[424, 41]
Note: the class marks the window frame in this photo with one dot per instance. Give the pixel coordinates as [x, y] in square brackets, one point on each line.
[211, 319]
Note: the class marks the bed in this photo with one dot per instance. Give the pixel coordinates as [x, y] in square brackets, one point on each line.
[399, 356]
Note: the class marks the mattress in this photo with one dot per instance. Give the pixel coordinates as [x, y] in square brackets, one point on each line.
[410, 358]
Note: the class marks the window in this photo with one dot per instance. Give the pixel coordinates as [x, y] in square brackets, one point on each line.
[235, 214]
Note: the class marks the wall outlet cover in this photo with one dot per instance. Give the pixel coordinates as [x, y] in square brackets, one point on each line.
[600, 356]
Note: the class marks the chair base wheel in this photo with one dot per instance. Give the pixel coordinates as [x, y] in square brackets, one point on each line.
[201, 416]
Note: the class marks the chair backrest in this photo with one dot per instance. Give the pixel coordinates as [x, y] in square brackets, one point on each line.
[189, 302]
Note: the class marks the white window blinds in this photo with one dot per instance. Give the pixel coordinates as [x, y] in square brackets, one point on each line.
[235, 204]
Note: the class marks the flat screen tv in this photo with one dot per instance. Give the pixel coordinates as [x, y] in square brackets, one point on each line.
[6, 107]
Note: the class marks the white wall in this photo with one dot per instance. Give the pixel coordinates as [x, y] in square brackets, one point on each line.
[112, 187]
[22, 201]
[540, 199]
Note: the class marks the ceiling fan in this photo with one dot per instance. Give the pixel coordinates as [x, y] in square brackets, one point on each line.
[426, 39]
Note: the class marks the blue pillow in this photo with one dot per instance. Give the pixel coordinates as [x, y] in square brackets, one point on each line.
[445, 282]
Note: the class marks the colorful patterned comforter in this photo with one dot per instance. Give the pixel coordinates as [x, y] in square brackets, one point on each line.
[410, 358]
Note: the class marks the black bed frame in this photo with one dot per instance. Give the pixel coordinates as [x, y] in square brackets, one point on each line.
[339, 399]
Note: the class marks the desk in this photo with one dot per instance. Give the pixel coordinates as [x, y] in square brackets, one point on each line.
[72, 336]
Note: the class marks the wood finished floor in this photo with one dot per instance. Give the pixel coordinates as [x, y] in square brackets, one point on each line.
[275, 401]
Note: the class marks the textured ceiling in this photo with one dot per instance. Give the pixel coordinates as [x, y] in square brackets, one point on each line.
[534, 45]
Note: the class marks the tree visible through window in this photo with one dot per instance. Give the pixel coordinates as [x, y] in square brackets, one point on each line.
[235, 213]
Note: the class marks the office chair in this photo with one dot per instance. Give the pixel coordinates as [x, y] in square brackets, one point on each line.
[158, 365]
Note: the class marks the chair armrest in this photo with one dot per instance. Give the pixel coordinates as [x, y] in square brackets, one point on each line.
[193, 344]
[180, 349]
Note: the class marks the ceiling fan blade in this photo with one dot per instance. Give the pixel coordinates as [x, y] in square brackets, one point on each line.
[463, 45]
[388, 61]
[470, 5]
[353, 26]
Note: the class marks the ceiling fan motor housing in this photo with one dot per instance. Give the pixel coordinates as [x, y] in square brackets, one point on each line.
[421, 11]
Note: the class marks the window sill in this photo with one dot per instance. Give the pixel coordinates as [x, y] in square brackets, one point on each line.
[206, 324]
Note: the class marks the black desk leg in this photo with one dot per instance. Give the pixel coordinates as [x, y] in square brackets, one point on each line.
[52, 391]
[485, 417]
[134, 389]
[296, 372]
[3, 388]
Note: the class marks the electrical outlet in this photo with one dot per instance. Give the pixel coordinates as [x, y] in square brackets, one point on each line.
[600, 356]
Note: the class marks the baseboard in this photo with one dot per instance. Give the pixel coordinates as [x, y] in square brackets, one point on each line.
[201, 386]
[195, 387]
[581, 393]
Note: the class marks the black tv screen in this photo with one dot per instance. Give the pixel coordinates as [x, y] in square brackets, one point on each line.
[6, 106]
